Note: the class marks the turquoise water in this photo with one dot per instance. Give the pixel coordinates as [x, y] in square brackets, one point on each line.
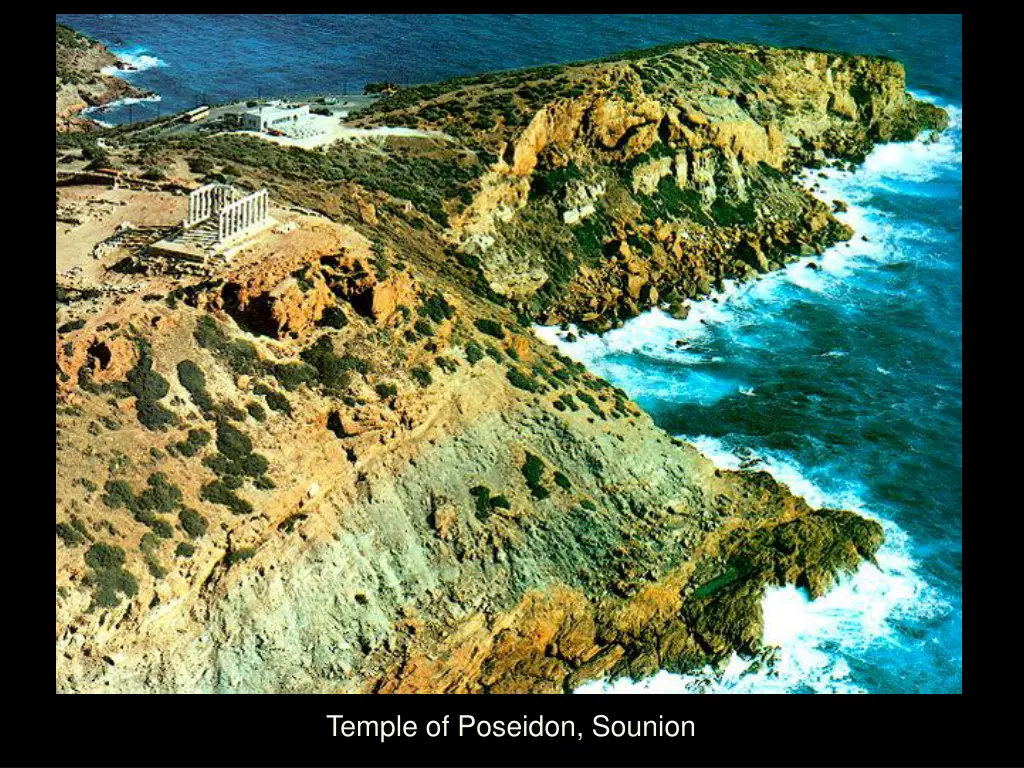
[845, 381]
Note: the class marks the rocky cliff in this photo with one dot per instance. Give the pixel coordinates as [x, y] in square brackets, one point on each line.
[344, 463]
[628, 183]
[81, 81]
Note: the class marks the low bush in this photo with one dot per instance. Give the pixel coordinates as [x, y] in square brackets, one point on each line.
[533, 471]
[522, 380]
[422, 376]
[69, 535]
[149, 387]
[197, 438]
[184, 549]
[216, 492]
[490, 327]
[474, 353]
[193, 523]
[193, 379]
[334, 317]
[257, 411]
[108, 576]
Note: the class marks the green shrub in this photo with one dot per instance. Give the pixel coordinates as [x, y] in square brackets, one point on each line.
[193, 523]
[562, 481]
[74, 325]
[216, 492]
[184, 549]
[490, 327]
[197, 438]
[200, 165]
[236, 457]
[69, 535]
[276, 401]
[446, 364]
[436, 307]
[332, 370]
[108, 577]
[238, 555]
[149, 387]
[422, 376]
[292, 375]
[334, 317]
[482, 503]
[385, 390]
[522, 380]
[591, 403]
[728, 214]
[193, 379]
[533, 471]
[256, 411]
[232, 442]
[241, 356]
[161, 495]
[569, 402]
[118, 494]
[474, 353]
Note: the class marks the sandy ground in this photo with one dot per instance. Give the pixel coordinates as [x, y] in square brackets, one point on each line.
[334, 130]
[100, 210]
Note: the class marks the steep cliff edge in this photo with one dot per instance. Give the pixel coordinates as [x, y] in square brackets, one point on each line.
[624, 184]
[344, 463]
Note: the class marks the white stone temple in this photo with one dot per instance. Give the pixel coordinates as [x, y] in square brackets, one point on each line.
[235, 213]
[220, 219]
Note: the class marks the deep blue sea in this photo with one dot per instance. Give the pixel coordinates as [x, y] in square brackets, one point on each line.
[845, 382]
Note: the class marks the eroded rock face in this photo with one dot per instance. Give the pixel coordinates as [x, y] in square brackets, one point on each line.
[97, 356]
[287, 294]
[716, 135]
[392, 582]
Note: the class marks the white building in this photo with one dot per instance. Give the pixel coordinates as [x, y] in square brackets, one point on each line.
[272, 118]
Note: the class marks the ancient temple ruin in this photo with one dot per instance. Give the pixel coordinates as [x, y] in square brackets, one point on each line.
[220, 217]
[235, 212]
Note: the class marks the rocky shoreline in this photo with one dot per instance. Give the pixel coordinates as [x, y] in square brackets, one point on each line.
[400, 487]
[82, 81]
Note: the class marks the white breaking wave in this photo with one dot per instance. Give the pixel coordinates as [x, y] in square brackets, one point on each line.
[136, 59]
[812, 640]
[92, 112]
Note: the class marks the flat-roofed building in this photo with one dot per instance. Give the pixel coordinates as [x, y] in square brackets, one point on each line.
[272, 118]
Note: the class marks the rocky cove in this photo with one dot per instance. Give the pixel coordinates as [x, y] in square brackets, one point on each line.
[443, 502]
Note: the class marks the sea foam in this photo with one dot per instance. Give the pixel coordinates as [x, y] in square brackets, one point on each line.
[813, 640]
[137, 59]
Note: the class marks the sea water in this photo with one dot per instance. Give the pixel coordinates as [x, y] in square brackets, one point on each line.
[844, 381]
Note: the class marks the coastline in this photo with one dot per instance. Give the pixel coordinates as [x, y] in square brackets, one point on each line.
[860, 608]
[786, 510]
[91, 79]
